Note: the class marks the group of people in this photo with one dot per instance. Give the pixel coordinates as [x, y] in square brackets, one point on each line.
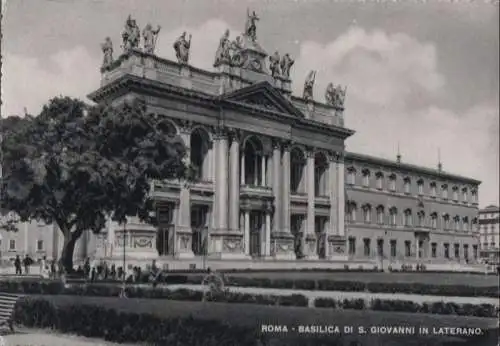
[46, 269]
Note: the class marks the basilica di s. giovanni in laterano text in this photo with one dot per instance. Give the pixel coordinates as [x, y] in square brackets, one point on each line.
[275, 183]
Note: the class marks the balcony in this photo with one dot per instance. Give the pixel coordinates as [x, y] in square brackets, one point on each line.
[254, 190]
[298, 197]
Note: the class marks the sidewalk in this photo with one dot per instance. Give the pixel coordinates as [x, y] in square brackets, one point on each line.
[313, 295]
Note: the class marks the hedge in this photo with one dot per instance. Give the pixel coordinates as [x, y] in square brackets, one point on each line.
[439, 308]
[106, 290]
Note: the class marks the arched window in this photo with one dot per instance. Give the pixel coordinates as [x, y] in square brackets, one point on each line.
[465, 195]
[199, 152]
[351, 175]
[421, 219]
[407, 217]
[474, 195]
[455, 193]
[407, 185]
[367, 213]
[351, 211]
[297, 170]
[433, 189]
[456, 223]
[253, 162]
[465, 224]
[379, 180]
[394, 214]
[446, 221]
[434, 220]
[392, 182]
[420, 186]
[366, 177]
[444, 191]
[380, 214]
[320, 176]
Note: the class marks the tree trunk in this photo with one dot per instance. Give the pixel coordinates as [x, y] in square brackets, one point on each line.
[67, 251]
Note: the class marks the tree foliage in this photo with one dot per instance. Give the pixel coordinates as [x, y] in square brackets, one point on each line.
[76, 165]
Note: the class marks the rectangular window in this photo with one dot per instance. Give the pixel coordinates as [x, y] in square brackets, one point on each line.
[446, 250]
[352, 246]
[407, 186]
[457, 250]
[466, 251]
[379, 182]
[367, 215]
[434, 221]
[367, 244]
[351, 177]
[455, 194]
[445, 192]
[392, 183]
[380, 216]
[433, 190]
[465, 196]
[366, 180]
[474, 251]
[39, 245]
[407, 248]
[12, 244]
[394, 244]
[420, 188]
[380, 247]
[434, 250]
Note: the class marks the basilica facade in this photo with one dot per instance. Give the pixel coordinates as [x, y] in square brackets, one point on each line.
[274, 180]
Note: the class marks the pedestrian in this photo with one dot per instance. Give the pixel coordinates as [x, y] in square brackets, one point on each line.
[86, 268]
[17, 265]
[44, 267]
[27, 263]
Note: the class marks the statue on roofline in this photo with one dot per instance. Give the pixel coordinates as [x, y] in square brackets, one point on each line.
[107, 49]
[250, 25]
[131, 35]
[308, 86]
[236, 47]
[286, 65]
[274, 64]
[222, 54]
[181, 47]
[150, 37]
[339, 96]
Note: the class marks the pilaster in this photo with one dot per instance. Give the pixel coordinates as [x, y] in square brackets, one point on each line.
[309, 241]
[221, 179]
[277, 193]
[285, 169]
[234, 179]
[183, 232]
[336, 240]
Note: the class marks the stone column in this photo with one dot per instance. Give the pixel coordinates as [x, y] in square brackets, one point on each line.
[247, 232]
[277, 193]
[282, 239]
[309, 240]
[340, 195]
[234, 188]
[267, 252]
[242, 167]
[285, 169]
[332, 189]
[183, 233]
[263, 170]
[221, 184]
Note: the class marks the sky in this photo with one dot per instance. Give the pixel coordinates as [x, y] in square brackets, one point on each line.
[424, 74]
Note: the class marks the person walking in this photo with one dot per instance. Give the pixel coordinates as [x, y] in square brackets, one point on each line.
[18, 266]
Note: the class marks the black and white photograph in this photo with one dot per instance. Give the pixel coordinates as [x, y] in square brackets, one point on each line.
[249, 172]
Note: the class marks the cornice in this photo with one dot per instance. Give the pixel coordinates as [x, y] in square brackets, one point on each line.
[410, 168]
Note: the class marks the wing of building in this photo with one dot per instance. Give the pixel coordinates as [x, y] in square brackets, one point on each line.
[274, 180]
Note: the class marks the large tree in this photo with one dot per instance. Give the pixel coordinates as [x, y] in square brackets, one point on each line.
[75, 165]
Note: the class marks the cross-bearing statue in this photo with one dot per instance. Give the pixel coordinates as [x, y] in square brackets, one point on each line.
[222, 54]
[131, 35]
[274, 64]
[250, 26]
[150, 37]
[181, 47]
[107, 49]
[286, 65]
[308, 86]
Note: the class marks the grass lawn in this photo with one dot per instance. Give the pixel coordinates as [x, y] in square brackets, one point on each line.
[423, 278]
[47, 338]
[255, 316]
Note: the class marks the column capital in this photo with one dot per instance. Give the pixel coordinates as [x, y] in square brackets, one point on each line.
[236, 135]
[276, 143]
[185, 126]
[286, 144]
[336, 156]
[220, 132]
[310, 152]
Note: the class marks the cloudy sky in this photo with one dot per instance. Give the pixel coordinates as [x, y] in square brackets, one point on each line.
[423, 75]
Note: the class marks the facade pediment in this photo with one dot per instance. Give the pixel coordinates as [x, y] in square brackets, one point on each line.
[262, 96]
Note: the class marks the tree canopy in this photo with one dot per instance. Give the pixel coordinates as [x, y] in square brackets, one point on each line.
[76, 165]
